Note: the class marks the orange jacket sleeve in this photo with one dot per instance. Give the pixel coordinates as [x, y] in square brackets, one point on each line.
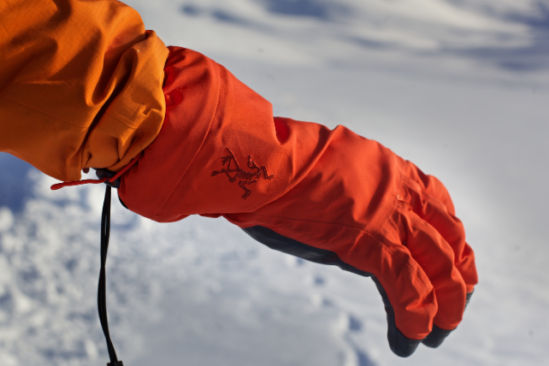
[80, 84]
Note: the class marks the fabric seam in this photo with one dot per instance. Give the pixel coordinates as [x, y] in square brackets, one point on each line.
[197, 151]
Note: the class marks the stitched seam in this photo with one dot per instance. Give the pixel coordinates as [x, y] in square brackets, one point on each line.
[40, 112]
[383, 245]
[395, 202]
[60, 120]
[197, 151]
[120, 121]
[5, 30]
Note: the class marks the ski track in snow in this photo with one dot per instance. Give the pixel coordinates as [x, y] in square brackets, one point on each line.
[458, 86]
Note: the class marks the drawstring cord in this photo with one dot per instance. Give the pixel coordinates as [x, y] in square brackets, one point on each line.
[104, 175]
[111, 180]
[101, 291]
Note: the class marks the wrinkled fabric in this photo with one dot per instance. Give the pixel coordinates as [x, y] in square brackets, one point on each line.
[222, 153]
[80, 84]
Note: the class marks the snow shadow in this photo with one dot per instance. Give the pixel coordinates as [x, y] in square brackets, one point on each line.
[221, 15]
[519, 59]
[321, 10]
[363, 359]
[371, 44]
[15, 184]
[533, 57]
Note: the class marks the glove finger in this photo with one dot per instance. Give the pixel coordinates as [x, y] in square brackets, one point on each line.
[430, 200]
[436, 258]
[400, 344]
[407, 294]
[438, 335]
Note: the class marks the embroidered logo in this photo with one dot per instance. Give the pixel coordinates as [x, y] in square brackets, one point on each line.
[245, 178]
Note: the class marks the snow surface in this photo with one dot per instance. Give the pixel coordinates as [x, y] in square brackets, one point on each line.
[459, 87]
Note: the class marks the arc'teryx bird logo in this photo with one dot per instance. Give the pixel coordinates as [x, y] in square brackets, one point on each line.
[235, 172]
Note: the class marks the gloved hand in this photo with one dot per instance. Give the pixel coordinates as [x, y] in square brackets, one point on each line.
[329, 196]
[380, 216]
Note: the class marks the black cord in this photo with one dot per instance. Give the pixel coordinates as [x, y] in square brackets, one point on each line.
[101, 292]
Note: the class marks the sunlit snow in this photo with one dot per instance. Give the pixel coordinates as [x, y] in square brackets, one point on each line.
[460, 87]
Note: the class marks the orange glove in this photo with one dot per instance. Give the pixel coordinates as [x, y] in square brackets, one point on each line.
[328, 196]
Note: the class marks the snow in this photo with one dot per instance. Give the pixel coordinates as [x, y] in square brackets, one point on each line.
[459, 87]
